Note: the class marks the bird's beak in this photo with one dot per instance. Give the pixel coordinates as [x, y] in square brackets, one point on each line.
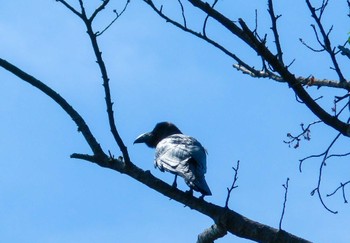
[143, 138]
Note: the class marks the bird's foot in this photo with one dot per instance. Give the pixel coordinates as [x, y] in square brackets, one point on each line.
[174, 185]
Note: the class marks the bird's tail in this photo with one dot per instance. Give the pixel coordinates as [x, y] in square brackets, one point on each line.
[201, 186]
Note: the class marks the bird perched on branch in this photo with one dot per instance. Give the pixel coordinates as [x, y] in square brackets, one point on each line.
[178, 154]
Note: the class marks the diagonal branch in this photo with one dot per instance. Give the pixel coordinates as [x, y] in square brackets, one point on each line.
[99, 9]
[79, 121]
[232, 221]
[115, 18]
[228, 219]
[201, 36]
[325, 156]
[93, 38]
[211, 234]
[245, 34]
[326, 41]
[69, 7]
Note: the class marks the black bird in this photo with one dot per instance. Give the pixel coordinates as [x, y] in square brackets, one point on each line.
[178, 154]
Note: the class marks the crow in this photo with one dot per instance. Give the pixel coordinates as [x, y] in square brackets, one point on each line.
[178, 154]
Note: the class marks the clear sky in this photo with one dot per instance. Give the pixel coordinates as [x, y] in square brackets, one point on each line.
[158, 73]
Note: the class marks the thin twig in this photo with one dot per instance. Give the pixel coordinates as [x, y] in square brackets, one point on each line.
[233, 186]
[199, 35]
[285, 186]
[305, 133]
[342, 187]
[183, 13]
[274, 19]
[69, 7]
[206, 19]
[98, 54]
[326, 43]
[324, 156]
[99, 9]
[76, 117]
[98, 33]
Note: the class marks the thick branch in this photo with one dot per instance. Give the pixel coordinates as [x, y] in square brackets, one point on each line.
[211, 234]
[226, 218]
[309, 81]
[79, 121]
[249, 38]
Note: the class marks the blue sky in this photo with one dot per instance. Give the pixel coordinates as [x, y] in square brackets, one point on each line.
[158, 73]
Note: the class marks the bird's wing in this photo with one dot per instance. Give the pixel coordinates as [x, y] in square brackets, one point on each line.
[174, 153]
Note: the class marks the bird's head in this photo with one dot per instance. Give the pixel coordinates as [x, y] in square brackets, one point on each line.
[160, 131]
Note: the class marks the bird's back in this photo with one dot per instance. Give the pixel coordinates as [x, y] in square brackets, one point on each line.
[184, 156]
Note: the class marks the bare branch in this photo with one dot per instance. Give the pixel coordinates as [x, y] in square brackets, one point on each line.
[99, 9]
[230, 220]
[245, 34]
[211, 234]
[309, 47]
[207, 17]
[285, 186]
[274, 19]
[79, 121]
[224, 218]
[98, 33]
[69, 7]
[342, 187]
[109, 104]
[199, 35]
[324, 156]
[308, 81]
[183, 13]
[233, 186]
[305, 134]
[326, 43]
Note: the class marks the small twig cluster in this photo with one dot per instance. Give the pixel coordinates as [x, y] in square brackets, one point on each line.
[294, 141]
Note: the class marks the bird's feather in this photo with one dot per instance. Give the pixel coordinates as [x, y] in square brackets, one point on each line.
[184, 156]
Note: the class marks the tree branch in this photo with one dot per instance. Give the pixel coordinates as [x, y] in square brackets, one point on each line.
[116, 17]
[325, 155]
[99, 9]
[309, 81]
[274, 19]
[326, 41]
[285, 186]
[249, 38]
[226, 218]
[79, 121]
[70, 7]
[93, 38]
[211, 234]
[233, 186]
